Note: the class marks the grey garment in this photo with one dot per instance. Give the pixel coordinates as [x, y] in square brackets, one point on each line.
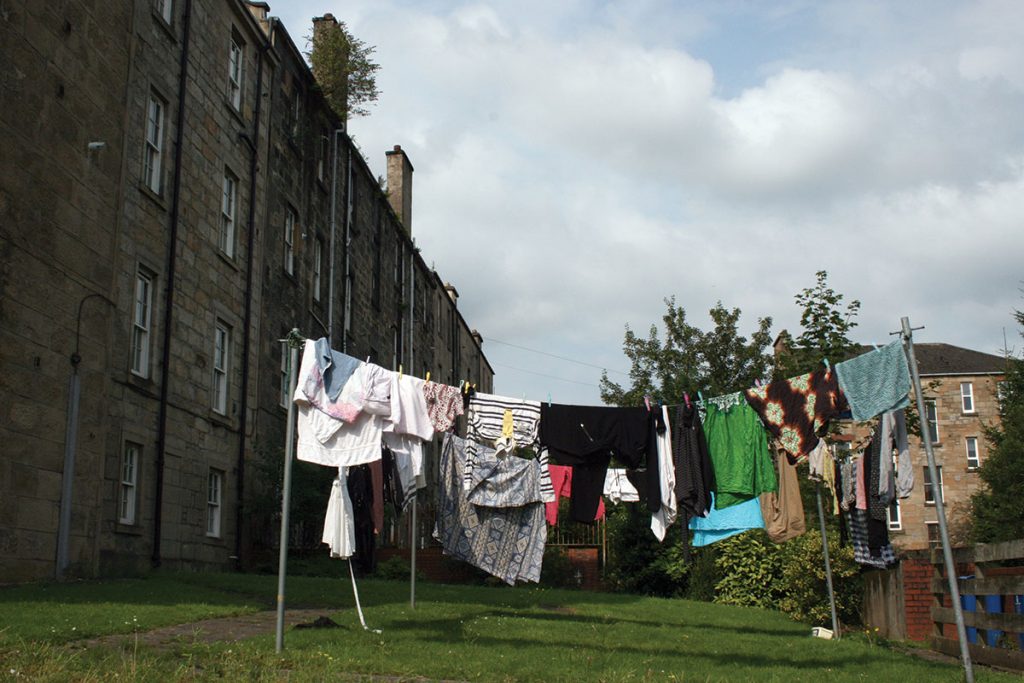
[505, 542]
[506, 481]
[848, 497]
[876, 381]
[336, 368]
[893, 434]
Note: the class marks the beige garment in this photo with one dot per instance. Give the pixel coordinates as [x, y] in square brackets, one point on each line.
[783, 512]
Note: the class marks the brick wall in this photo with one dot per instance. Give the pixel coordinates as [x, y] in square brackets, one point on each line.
[917, 572]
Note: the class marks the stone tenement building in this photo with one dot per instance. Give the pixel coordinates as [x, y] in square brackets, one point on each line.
[960, 387]
[175, 195]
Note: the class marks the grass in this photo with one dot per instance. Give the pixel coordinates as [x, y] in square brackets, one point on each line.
[456, 632]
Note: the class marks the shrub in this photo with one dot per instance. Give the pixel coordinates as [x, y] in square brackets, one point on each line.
[803, 584]
[750, 568]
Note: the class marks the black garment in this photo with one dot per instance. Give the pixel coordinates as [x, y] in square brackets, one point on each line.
[393, 492]
[877, 522]
[587, 438]
[360, 490]
[695, 475]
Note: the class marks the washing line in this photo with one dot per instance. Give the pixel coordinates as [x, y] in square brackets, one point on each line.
[554, 355]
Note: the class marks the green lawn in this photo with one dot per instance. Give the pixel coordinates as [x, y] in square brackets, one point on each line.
[456, 632]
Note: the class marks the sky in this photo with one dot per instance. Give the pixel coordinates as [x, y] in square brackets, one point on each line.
[576, 163]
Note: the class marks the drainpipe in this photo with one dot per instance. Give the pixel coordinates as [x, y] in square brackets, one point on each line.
[348, 249]
[172, 257]
[243, 421]
[334, 208]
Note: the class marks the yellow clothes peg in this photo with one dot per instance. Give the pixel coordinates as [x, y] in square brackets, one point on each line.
[428, 376]
[399, 371]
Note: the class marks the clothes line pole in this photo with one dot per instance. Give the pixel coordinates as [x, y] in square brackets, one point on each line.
[828, 564]
[940, 506]
[292, 343]
[412, 564]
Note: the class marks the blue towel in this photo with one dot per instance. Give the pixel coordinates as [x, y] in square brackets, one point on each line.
[335, 367]
[875, 382]
[721, 524]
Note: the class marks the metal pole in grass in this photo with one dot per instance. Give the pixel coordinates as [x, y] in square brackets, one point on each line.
[828, 564]
[292, 343]
[412, 563]
[940, 507]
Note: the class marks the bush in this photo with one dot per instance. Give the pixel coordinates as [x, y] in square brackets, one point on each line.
[750, 568]
[804, 587]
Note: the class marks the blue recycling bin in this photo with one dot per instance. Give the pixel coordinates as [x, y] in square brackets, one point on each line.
[1018, 607]
[993, 605]
[969, 603]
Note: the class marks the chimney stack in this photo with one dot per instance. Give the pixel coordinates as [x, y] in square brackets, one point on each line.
[453, 293]
[400, 186]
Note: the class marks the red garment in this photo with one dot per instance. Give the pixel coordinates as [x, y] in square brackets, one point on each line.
[561, 480]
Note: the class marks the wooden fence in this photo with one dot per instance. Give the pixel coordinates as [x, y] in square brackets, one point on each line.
[991, 583]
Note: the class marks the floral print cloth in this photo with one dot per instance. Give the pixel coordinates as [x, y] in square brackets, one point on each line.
[795, 410]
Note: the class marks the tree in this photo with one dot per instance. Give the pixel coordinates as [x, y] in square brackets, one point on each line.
[344, 68]
[998, 510]
[687, 360]
[826, 329]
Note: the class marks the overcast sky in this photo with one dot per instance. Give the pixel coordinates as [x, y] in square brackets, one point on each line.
[577, 162]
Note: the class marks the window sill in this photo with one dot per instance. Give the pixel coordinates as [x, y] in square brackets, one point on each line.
[230, 260]
[236, 112]
[128, 529]
[154, 197]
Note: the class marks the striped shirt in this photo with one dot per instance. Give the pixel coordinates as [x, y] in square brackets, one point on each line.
[485, 418]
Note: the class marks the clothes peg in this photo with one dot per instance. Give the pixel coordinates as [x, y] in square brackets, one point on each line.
[367, 359]
[647, 402]
[700, 395]
[399, 371]
[428, 376]
[827, 366]
[686, 397]
[549, 399]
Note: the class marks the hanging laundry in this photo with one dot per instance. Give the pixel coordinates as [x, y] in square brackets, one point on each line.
[486, 415]
[339, 524]
[444, 405]
[335, 368]
[892, 432]
[561, 480]
[325, 440]
[408, 454]
[783, 511]
[875, 382]
[796, 410]
[328, 415]
[663, 518]
[504, 482]
[721, 523]
[739, 451]
[695, 474]
[587, 438]
[882, 557]
[617, 487]
[822, 468]
[360, 491]
[847, 481]
[408, 412]
[507, 542]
